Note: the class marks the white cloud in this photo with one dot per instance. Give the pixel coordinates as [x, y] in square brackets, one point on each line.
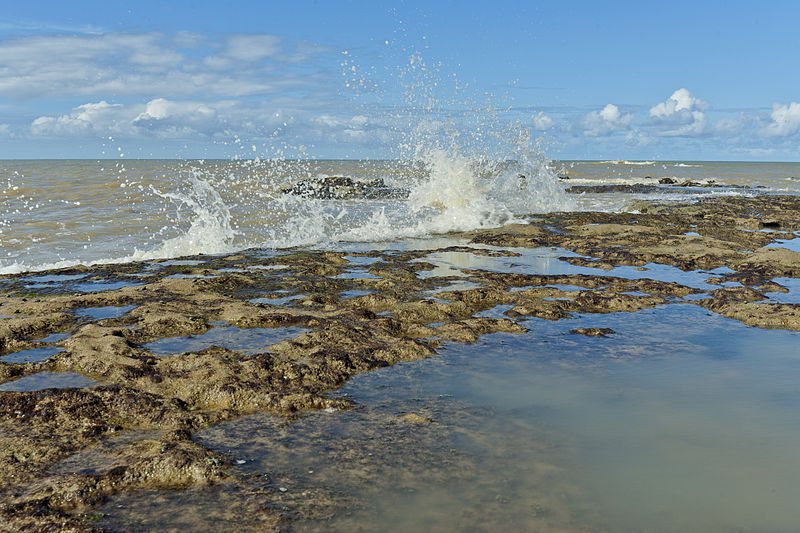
[151, 65]
[542, 122]
[5, 130]
[162, 109]
[728, 126]
[194, 120]
[334, 122]
[87, 119]
[637, 137]
[681, 100]
[167, 119]
[249, 48]
[680, 115]
[347, 129]
[607, 120]
[159, 117]
[785, 120]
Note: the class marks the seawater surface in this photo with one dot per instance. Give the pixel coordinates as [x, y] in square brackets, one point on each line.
[58, 213]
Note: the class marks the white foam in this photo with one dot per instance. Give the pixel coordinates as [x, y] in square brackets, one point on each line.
[210, 231]
[626, 162]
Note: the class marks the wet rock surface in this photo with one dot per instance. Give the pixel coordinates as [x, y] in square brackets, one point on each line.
[66, 451]
[345, 188]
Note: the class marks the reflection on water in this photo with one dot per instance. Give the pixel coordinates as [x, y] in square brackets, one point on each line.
[249, 340]
[32, 355]
[645, 430]
[48, 380]
[100, 313]
[546, 260]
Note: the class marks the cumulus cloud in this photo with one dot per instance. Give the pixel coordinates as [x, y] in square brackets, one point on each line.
[738, 127]
[166, 119]
[179, 117]
[607, 120]
[542, 122]
[5, 130]
[680, 101]
[680, 115]
[785, 120]
[97, 118]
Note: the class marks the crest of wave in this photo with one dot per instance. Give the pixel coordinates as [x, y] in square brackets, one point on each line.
[465, 192]
[210, 230]
[454, 192]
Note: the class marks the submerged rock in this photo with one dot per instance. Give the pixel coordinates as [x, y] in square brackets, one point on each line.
[593, 332]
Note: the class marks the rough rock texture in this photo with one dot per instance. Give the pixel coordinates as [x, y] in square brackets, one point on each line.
[65, 451]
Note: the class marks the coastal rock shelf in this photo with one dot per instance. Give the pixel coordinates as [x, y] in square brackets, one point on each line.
[273, 334]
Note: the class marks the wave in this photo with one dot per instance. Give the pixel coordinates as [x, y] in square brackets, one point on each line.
[454, 193]
[626, 162]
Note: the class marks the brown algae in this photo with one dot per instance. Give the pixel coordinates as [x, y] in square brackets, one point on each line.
[353, 312]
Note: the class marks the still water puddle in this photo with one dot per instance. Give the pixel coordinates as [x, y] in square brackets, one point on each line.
[356, 274]
[179, 262]
[54, 278]
[353, 294]
[54, 337]
[461, 285]
[100, 313]
[48, 380]
[680, 420]
[268, 267]
[497, 311]
[101, 285]
[792, 285]
[789, 244]
[278, 300]
[547, 261]
[32, 355]
[249, 341]
[361, 260]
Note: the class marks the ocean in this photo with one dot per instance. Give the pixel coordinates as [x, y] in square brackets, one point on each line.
[60, 213]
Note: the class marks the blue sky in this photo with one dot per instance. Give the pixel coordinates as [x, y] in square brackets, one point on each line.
[594, 80]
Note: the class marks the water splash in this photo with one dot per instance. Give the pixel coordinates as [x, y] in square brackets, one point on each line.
[467, 163]
[210, 230]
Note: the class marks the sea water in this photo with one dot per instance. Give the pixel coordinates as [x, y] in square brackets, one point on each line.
[57, 213]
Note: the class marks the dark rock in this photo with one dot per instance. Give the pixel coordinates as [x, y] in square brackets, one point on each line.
[344, 188]
[600, 189]
[593, 332]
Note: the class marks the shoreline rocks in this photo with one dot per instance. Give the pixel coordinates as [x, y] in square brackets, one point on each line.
[135, 429]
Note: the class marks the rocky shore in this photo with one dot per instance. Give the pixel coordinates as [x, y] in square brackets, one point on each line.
[127, 408]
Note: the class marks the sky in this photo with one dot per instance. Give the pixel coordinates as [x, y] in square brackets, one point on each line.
[361, 79]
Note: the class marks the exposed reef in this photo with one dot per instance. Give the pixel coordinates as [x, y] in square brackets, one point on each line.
[313, 319]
